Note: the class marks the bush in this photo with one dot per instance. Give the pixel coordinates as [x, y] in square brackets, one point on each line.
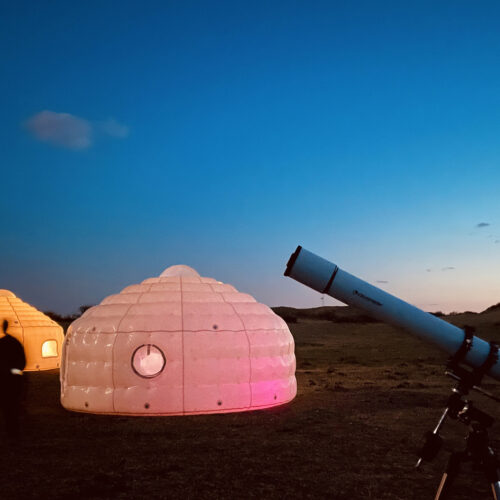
[358, 318]
[328, 315]
[289, 317]
[65, 320]
[60, 318]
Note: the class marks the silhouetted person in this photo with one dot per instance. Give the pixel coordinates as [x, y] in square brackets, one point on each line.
[12, 363]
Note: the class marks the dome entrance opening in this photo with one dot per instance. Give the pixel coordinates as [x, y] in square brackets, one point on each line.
[148, 361]
[49, 349]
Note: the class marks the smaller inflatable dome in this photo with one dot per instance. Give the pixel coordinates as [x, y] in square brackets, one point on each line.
[42, 338]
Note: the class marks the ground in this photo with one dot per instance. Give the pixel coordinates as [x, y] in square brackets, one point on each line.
[366, 394]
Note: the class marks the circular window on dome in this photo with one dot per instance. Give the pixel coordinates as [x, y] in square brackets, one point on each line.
[148, 361]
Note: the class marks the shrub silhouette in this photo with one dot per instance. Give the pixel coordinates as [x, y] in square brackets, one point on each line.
[66, 320]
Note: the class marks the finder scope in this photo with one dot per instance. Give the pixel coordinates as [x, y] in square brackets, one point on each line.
[326, 277]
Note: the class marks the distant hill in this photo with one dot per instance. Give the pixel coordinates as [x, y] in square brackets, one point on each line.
[494, 308]
[348, 314]
[335, 314]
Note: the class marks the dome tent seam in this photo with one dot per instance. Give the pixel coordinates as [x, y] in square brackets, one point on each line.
[249, 348]
[17, 316]
[193, 331]
[114, 342]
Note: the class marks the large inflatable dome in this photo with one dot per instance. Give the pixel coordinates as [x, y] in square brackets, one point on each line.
[177, 344]
[41, 337]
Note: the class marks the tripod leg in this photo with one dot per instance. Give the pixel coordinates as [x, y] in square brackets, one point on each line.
[492, 473]
[495, 489]
[449, 475]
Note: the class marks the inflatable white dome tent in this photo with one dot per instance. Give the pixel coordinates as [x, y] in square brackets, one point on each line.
[42, 338]
[175, 345]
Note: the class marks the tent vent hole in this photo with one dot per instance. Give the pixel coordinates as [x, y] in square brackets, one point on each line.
[215, 327]
[86, 404]
[275, 396]
[146, 405]
[219, 402]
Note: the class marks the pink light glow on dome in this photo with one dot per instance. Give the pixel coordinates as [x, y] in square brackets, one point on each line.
[177, 344]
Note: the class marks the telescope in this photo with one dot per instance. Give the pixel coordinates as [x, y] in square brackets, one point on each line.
[463, 346]
[327, 278]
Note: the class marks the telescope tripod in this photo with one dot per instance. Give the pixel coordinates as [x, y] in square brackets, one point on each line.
[477, 449]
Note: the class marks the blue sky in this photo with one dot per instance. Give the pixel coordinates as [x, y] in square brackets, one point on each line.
[137, 135]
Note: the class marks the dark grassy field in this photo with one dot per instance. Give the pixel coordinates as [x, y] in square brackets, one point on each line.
[367, 393]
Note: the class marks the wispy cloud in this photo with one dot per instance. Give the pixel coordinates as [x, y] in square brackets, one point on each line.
[61, 129]
[70, 131]
[381, 281]
[113, 128]
[429, 270]
[448, 268]
[483, 224]
[497, 241]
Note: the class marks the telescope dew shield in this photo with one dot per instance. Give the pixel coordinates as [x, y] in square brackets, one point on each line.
[326, 277]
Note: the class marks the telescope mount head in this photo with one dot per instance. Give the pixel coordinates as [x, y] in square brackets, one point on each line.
[461, 409]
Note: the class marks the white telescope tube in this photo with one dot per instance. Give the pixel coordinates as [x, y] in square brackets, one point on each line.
[326, 277]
